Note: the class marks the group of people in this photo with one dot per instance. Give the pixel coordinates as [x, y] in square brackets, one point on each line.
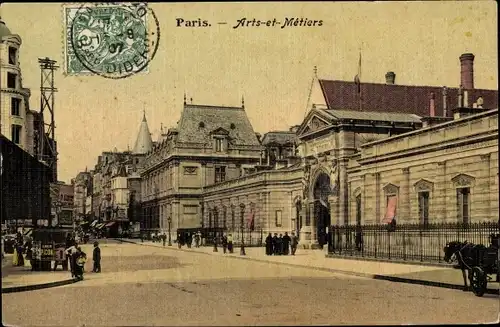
[77, 258]
[281, 245]
[20, 249]
[227, 243]
[187, 238]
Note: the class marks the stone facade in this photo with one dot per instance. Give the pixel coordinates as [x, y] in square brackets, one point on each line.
[16, 119]
[427, 170]
[211, 144]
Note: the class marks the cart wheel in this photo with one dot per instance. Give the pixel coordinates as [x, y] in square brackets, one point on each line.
[478, 281]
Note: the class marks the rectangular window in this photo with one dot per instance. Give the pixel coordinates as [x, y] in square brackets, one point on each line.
[220, 174]
[278, 218]
[15, 104]
[463, 204]
[16, 134]
[11, 80]
[218, 145]
[358, 209]
[423, 207]
[390, 211]
[12, 56]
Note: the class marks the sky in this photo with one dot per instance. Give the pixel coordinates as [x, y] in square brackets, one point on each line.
[271, 67]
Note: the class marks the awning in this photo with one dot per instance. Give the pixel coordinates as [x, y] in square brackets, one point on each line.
[390, 212]
[93, 223]
[110, 224]
[84, 222]
[99, 226]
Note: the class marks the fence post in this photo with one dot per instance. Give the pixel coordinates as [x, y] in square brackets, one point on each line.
[404, 243]
[376, 243]
[389, 241]
[439, 242]
[421, 244]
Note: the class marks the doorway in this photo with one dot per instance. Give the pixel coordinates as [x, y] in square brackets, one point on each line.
[322, 207]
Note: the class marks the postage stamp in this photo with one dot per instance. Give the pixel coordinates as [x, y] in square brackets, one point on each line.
[112, 40]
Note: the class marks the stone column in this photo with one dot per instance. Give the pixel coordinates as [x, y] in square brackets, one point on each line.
[488, 185]
[405, 207]
[305, 231]
[378, 198]
[343, 192]
[314, 231]
[441, 192]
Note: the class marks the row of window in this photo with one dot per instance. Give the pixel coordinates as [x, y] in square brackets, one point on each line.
[462, 202]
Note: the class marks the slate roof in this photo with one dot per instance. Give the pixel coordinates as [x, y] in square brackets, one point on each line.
[376, 116]
[213, 118]
[398, 98]
[144, 142]
[279, 137]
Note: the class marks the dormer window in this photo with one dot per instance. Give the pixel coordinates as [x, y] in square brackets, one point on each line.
[201, 124]
[219, 145]
[232, 126]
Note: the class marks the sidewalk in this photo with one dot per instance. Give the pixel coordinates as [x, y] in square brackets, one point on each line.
[21, 279]
[446, 277]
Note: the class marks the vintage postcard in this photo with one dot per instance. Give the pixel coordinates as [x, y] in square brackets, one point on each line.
[249, 163]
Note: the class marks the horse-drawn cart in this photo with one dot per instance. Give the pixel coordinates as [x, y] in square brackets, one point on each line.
[481, 262]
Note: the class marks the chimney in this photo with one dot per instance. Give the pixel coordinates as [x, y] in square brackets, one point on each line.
[460, 94]
[466, 99]
[467, 71]
[432, 105]
[390, 78]
[445, 100]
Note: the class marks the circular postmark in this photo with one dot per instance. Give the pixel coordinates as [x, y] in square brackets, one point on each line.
[113, 40]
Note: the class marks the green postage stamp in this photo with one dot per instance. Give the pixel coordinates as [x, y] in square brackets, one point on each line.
[112, 40]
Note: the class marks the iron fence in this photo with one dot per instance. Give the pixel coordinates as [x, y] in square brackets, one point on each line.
[406, 242]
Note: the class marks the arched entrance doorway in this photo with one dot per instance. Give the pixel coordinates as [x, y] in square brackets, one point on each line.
[322, 216]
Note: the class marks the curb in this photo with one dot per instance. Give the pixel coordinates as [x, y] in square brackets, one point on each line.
[17, 289]
[343, 272]
[415, 263]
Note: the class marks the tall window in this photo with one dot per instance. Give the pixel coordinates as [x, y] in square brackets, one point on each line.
[463, 204]
[218, 145]
[12, 55]
[220, 174]
[423, 207]
[15, 103]
[224, 218]
[278, 218]
[16, 134]
[11, 80]
[358, 209]
[209, 218]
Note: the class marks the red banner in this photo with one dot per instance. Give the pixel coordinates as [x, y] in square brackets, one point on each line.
[390, 212]
[251, 219]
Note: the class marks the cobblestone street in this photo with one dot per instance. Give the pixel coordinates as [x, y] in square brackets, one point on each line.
[143, 285]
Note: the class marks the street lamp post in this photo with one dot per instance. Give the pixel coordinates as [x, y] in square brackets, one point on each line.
[169, 236]
[242, 249]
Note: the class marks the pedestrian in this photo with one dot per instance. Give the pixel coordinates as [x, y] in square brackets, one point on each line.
[197, 240]
[294, 242]
[164, 238]
[269, 244]
[79, 259]
[286, 244]
[230, 243]
[29, 250]
[189, 240]
[70, 255]
[280, 244]
[179, 240]
[20, 257]
[96, 257]
[224, 243]
[275, 244]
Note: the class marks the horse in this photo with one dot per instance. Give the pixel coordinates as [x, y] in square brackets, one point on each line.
[468, 256]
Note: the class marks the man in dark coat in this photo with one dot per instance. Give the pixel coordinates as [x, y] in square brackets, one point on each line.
[294, 242]
[96, 256]
[269, 244]
[279, 244]
[275, 244]
[286, 243]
